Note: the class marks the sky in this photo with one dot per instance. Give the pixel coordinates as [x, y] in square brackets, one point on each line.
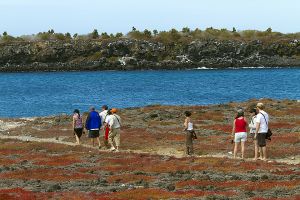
[25, 17]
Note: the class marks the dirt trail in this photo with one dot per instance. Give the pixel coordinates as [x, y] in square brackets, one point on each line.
[166, 152]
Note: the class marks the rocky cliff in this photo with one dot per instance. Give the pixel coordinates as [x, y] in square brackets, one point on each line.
[131, 54]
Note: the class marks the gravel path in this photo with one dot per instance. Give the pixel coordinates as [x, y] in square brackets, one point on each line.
[165, 152]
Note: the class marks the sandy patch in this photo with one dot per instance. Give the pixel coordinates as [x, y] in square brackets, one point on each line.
[5, 126]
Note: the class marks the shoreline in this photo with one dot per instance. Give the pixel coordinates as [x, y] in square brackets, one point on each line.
[143, 70]
[249, 101]
[133, 69]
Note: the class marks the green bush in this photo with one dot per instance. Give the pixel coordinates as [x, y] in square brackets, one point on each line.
[59, 36]
[171, 38]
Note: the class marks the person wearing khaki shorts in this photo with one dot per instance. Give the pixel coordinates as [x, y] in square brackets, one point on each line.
[114, 133]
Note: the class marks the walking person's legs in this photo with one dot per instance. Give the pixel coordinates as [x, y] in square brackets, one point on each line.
[187, 150]
[255, 149]
[111, 137]
[243, 149]
[264, 152]
[77, 134]
[235, 149]
[77, 139]
[243, 142]
[262, 145]
[237, 140]
[191, 149]
[260, 152]
[105, 137]
[189, 143]
[117, 138]
[99, 143]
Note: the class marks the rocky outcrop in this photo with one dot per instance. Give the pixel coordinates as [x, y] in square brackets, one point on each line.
[130, 54]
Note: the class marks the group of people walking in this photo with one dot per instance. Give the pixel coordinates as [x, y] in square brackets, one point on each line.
[258, 128]
[106, 123]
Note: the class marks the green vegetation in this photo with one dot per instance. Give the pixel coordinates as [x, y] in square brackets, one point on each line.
[184, 36]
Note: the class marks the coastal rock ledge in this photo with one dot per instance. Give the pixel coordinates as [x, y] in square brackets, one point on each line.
[132, 54]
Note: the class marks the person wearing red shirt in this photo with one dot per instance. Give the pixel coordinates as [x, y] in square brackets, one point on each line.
[239, 132]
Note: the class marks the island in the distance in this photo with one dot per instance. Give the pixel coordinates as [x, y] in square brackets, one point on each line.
[142, 50]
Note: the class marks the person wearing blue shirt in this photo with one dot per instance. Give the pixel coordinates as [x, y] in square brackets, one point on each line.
[93, 125]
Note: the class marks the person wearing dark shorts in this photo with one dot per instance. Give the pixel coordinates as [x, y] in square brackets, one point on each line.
[77, 125]
[94, 133]
[262, 121]
[93, 125]
[261, 139]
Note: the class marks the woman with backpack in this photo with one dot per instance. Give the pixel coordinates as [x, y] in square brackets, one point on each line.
[77, 125]
[239, 132]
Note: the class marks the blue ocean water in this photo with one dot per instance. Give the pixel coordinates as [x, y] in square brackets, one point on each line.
[43, 94]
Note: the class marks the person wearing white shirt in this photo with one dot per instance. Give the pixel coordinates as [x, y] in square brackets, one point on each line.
[103, 113]
[105, 129]
[262, 121]
[114, 122]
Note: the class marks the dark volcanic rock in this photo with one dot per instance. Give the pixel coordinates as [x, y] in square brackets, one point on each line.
[54, 188]
[171, 187]
[131, 54]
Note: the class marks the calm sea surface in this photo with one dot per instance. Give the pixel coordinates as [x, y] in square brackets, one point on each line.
[43, 94]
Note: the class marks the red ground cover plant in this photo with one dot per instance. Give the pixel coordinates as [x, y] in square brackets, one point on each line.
[295, 111]
[283, 151]
[245, 185]
[155, 166]
[128, 178]
[219, 127]
[197, 193]
[176, 137]
[210, 115]
[16, 193]
[265, 185]
[275, 125]
[63, 160]
[46, 174]
[8, 161]
[285, 138]
[296, 197]
[163, 194]
[221, 184]
[22, 194]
